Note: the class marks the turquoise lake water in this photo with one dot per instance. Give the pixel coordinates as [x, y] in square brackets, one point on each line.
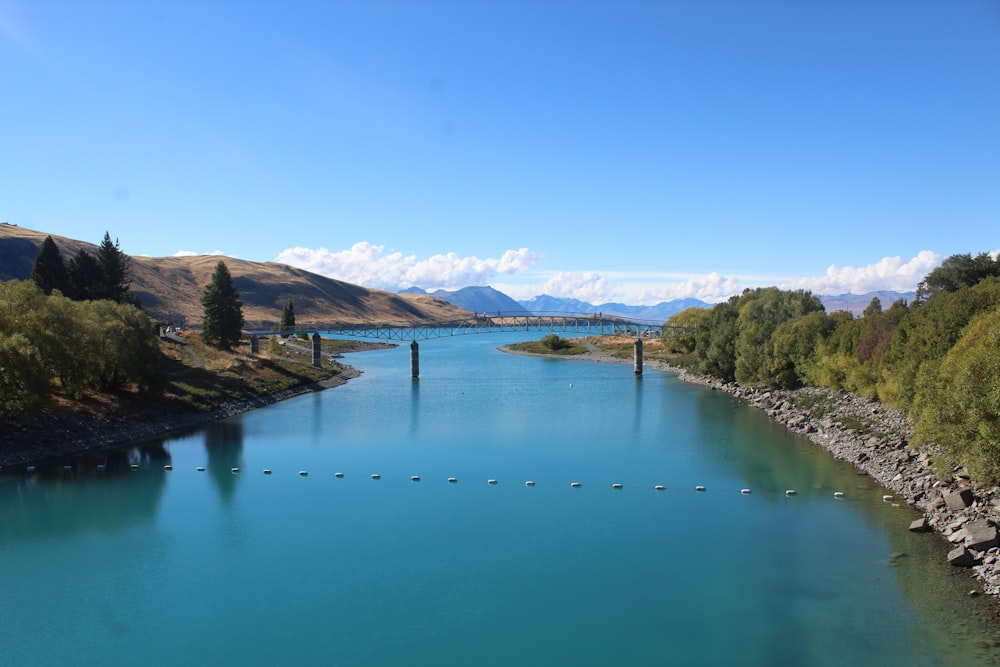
[159, 567]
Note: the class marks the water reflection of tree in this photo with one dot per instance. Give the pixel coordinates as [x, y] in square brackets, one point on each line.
[99, 492]
[224, 447]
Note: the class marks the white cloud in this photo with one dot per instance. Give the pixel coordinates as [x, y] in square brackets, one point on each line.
[369, 265]
[889, 273]
[513, 273]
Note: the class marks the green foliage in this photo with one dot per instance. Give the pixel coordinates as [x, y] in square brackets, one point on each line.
[24, 387]
[223, 319]
[113, 276]
[956, 272]
[84, 345]
[84, 276]
[554, 342]
[958, 407]
[287, 318]
[689, 317]
[49, 270]
[761, 311]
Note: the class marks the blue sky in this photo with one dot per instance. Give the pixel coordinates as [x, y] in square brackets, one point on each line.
[633, 151]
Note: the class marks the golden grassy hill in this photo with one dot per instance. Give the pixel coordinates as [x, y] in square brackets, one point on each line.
[171, 287]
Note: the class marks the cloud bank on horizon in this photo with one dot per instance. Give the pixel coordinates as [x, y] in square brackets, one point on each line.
[514, 274]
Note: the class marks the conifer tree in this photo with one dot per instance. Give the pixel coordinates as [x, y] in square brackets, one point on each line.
[84, 276]
[223, 319]
[49, 270]
[287, 318]
[114, 276]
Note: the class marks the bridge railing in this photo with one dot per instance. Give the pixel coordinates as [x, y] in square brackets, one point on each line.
[488, 322]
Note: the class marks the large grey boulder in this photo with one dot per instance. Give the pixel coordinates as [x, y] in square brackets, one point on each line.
[958, 499]
[961, 557]
[981, 535]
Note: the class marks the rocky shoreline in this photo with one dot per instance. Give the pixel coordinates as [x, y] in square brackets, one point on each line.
[876, 440]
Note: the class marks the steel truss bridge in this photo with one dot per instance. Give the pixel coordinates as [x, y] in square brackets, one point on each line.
[590, 324]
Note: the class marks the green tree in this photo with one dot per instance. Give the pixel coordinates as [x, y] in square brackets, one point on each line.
[554, 342]
[49, 270]
[114, 281]
[761, 311]
[84, 276]
[956, 272]
[691, 318]
[287, 319]
[24, 384]
[716, 340]
[958, 407]
[223, 319]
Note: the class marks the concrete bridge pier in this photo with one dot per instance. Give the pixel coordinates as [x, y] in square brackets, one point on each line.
[317, 350]
[637, 356]
[254, 344]
[414, 360]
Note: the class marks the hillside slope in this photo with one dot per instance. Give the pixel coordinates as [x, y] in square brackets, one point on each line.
[170, 288]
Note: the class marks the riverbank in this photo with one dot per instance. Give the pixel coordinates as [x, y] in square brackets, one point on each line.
[876, 440]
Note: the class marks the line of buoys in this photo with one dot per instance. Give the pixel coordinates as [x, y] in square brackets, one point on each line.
[303, 473]
[452, 480]
[234, 470]
[134, 466]
[575, 485]
[529, 483]
[699, 488]
[659, 487]
[338, 474]
[616, 485]
[414, 478]
[491, 481]
[746, 492]
[376, 476]
[200, 468]
[838, 494]
[168, 467]
[790, 492]
[267, 471]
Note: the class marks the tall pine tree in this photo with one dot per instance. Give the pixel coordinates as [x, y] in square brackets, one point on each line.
[223, 319]
[115, 280]
[49, 270]
[287, 319]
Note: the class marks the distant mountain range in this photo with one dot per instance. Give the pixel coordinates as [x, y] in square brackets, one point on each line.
[487, 300]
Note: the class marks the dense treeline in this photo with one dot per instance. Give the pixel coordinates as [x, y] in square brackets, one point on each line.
[73, 325]
[96, 345]
[938, 357]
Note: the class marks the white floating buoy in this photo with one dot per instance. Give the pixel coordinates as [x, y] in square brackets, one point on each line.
[453, 479]
[234, 470]
[745, 491]
[887, 498]
[414, 478]
[838, 494]
[790, 492]
[616, 485]
[303, 473]
[491, 481]
[529, 483]
[168, 467]
[30, 468]
[134, 466]
[659, 487]
[570, 385]
[67, 467]
[338, 474]
[200, 468]
[699, 488]
[376, 476]
[267, 471]
[102, 467]
[575, 485]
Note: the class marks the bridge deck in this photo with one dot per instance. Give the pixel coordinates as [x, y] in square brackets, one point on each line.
[583, 323]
